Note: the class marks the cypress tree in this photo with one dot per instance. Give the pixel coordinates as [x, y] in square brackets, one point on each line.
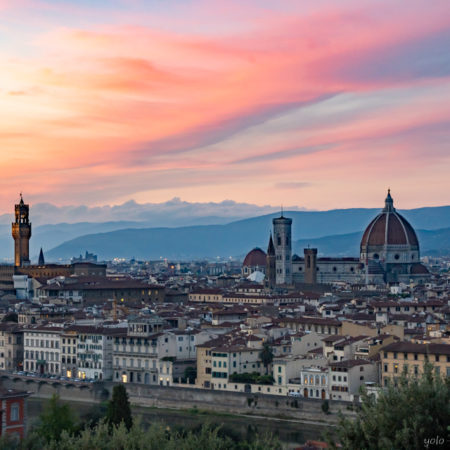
[119, 408]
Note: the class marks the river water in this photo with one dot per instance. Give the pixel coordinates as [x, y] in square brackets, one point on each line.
[290, 432]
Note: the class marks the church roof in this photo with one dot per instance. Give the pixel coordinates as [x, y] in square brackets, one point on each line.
[389, 228]
[255, 257]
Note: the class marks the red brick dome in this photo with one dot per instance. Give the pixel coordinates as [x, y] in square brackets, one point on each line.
[419, 269]
[389, 228]
[255, 257]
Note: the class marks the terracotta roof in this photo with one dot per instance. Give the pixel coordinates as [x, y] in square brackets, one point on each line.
[255, 257]
[410, 347]
[418, 268]
[12, 393]
[349, 363]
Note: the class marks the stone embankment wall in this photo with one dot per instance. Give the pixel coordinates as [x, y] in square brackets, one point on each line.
[186, 398]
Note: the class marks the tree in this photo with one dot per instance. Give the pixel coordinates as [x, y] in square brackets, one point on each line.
[405, 416]
[190, 373]
[11, 317]
[119, 408]
[55, 418]
[266, 356]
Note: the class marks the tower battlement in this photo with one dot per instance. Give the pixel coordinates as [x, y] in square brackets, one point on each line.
[21, 233]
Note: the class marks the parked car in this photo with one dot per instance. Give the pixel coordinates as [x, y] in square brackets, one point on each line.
[294, 394]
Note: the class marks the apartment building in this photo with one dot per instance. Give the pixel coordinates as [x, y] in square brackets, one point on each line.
[135, 354]
[95, 351]
[206, 295]
[319, 325]
[347, 377]
[11, 346]
[42, 349]
[340, 348]
[410, 358]
[222, 357]
[69, 340]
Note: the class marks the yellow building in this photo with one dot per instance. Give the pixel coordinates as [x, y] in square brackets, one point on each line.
[410, 358]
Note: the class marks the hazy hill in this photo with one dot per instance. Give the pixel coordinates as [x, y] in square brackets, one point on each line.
[217, 240]
[322, 229]
[134, 238]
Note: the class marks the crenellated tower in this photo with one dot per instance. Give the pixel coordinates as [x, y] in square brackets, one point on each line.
[21, 232]
[310, 265]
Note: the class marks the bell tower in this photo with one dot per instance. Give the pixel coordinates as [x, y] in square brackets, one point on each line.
[21, 232]
[283, 251]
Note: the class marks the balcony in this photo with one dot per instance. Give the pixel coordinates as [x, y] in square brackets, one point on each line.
[135, 369]
[135, 353]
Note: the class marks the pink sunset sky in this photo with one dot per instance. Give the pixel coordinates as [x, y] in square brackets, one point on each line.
[319, 104]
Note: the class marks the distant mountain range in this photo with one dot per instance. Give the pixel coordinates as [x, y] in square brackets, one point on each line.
[334, 233]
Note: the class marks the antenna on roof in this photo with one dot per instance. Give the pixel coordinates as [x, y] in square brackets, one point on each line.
[281, 210]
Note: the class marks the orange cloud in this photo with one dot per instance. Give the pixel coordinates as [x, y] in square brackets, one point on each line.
[114, 110]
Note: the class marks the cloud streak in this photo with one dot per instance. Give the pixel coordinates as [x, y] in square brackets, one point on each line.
[213, 100]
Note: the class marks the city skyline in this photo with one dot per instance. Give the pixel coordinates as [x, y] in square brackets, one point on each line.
[319, 105]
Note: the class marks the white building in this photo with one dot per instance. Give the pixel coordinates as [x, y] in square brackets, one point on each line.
[42, 349]
[95, 351]
[347, 377]
[135, 354]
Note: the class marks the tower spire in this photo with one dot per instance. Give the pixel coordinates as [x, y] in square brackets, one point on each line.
[271, 248]
[389, 202]
[41, 261]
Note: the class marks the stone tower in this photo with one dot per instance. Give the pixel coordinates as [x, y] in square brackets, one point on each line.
[283, 249]
[310, 265]
[21, 232]
[270, 265]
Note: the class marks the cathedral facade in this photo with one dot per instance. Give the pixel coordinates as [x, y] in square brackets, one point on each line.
[389, 253]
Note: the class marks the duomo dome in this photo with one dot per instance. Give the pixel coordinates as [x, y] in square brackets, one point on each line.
[389, 246]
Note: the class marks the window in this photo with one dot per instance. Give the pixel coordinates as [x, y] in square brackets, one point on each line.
[437, 357]
[15, 412]
[405, 355]
[415, 357]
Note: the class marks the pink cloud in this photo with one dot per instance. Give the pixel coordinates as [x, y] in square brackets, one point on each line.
[93, 107]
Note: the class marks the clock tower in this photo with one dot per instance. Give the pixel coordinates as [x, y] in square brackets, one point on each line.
[21, 232]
